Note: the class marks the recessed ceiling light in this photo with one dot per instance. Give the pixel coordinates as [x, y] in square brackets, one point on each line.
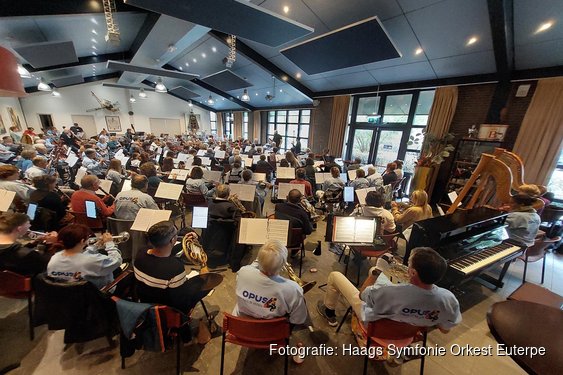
[142, 94]
[94, 40]
[286, 9]
[94, 53]
[256, 94]
[132, 99]
[418, 51]
[472, 40]
[194, 60]
[203, 55]
[281, 90]
[23, 72]
[544, 26]
[187, 64]
[180, 68]
[298, 75]
[190, 104]
[43, 86]
[284, 78]
[94, 47]
[94, 32]
[94, 20]
[55, 93]
[214, 49]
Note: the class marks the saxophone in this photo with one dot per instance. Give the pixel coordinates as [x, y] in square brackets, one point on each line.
[244, 212]
[194, 252]
[305, 285]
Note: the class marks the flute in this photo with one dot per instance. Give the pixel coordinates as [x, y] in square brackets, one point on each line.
[107, 195]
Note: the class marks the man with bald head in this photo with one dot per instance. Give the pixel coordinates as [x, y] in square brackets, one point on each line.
[293, 211]
[221, 207]
[89, 185]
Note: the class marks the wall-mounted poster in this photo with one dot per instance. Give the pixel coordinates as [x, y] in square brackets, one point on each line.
[113, 123]
[2, 126]
[15, 119]
[492, 132]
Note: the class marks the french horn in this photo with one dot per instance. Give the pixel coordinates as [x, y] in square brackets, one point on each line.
[194, 252]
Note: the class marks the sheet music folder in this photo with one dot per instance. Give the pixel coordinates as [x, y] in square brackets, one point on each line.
[354, 230]
[146, 218]
[260, 231]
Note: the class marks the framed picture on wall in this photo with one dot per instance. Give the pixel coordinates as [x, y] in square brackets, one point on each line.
[113, 124]
[492, 132]
[2, 126]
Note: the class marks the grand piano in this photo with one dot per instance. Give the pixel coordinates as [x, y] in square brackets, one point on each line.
[472, 242]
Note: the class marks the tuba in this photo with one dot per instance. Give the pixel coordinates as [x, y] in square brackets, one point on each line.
[194, 252]
[305, 285]
[244, 212]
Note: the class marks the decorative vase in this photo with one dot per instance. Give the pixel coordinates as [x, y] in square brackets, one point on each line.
[422, 178]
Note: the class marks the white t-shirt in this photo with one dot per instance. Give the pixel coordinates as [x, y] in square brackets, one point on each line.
[411, 304]
[263, 297]
[388, 220]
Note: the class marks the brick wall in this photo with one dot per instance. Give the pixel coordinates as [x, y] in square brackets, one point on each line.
[516, 109]
[320, 125]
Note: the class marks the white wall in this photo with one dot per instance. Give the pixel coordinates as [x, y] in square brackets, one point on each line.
[5, 116]
[75, 100]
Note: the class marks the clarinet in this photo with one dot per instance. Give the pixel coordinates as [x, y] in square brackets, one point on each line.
[111, 199]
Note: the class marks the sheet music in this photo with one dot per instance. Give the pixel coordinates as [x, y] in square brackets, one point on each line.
[247, 148]
[6, 198]
[352, 175]
[182, 157]
[119, 154]
[284, 188]
[255, 159]
[344, 177]
[220, 154]
[259, 177]
[343, 230]
[244, 192]
[321, 177]
[279, 157]
[286, 173]
[126, 185]
[199, 217]
[318, 163]
[71, 159]
[146, 218]
[179, 174]
[168, 191]
[214, 176]
[362, 193]
[278, 230]
[106, 185]
[217, 148]
[205, 161]
[247, 162]
[453, 196]
[81, 172]
[364, 230]
[365, 168]
[159, 150]
[201, 152]
[124, 161]
[153, 146]
[253, 231]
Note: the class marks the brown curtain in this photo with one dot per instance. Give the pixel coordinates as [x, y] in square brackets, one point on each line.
[257, 123]
[442, 111]
[540, 137]
[338, 124]
[237, 125]
[219, 124]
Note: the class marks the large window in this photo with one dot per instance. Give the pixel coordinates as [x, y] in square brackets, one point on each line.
[228, 127]
[555, 184]
[387, 127]
[213, 121]
[290, 125]
[245, 125]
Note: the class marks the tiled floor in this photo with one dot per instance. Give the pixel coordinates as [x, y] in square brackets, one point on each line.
[47, 355]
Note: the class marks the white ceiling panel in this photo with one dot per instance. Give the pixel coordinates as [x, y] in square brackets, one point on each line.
[530, 15]
[359, 79]
[403, 73]
[19, 31]
[342, 13]
[541, 55]
[465, 65]
[444, 28]
[319, 84]
[410, 5]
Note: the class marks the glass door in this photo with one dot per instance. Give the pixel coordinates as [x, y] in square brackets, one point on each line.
[387, 149]
[362, 140]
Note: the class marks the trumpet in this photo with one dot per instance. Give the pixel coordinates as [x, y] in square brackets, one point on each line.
[120, 238]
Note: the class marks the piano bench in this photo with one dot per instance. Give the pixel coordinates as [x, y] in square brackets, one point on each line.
[534, 293]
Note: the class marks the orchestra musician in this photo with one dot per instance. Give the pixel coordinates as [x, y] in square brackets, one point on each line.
[39, 168]
[89, 185]
[9, 180]
[92, 163]
[46, 196]
[128, 203]
[419, 210]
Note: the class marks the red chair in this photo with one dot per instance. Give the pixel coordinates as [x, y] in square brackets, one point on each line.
[536, 252]
[191, 200]
[97, 225]
[14, 285]
[255, 333]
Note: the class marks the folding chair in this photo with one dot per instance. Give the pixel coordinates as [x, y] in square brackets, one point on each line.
[14, 285]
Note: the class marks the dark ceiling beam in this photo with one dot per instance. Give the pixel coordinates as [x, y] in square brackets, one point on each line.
[196, 103]
[500, 20]
[552, 71]
[260, 60]
[100, 77]
[58, 7]
[144, 32]
[465, 80]
[87, 60]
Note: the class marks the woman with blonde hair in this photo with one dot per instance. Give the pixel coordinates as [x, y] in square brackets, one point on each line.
[419, 210]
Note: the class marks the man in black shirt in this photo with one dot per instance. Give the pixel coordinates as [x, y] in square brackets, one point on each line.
[292, 210]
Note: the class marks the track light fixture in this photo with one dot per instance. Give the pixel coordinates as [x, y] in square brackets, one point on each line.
[43, 86]
[142, 94]
[245, 97]
[160, 86]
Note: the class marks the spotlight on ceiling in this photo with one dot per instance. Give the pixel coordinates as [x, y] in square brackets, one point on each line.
[55, 93]
[160, 86]
[132, 99]
[210, 100]
[23, 72]
[190, 104]
[245, 97]
[43, 86]
[142, 94]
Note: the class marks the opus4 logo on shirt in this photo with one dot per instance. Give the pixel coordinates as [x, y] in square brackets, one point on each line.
[62, 274]
[266, 302]
[432, 315]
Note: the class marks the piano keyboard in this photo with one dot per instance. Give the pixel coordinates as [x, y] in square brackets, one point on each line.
[484, 258]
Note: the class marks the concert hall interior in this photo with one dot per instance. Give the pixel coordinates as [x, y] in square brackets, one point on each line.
[185, 183]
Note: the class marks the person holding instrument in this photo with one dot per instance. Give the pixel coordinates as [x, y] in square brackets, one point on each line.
[46, 197]
[90, 184]
[15, 257]
[77, 261]
[92, 164]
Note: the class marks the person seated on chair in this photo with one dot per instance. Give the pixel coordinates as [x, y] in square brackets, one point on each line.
[389, 176]
[26, 162]
[361, 182]
[39, 168]
[420, 302]
[263, 294]
[114, 173]
[89, 185]
[374, 208]
[92, 164]
[80, 261]
[399, 169]
[523, 220]
[128, 203]
[46, 197]
[235, 174]
[355, 165]
[161, 278]
[261, 186]
[292, 209]
[25, 260]
[419, 210]
[264, 165]
[375, 180]
[149, 170]
[196, 184]
[220, 207]
[9, 180]
[334, 181]
[300, 179]
[310, 171]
